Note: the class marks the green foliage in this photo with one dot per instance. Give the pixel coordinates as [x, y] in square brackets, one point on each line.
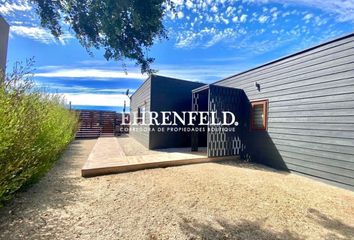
[123, 28]
[35, 128]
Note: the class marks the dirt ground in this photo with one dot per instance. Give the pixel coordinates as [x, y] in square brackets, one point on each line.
[202, 201]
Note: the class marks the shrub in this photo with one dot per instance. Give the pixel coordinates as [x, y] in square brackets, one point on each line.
[35, 127]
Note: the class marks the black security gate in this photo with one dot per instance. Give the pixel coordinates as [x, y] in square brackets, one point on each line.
[223, 140]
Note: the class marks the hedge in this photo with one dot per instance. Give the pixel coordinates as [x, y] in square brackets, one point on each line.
[35, 128]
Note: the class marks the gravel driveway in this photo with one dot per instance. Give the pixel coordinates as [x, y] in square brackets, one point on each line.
[202, 201]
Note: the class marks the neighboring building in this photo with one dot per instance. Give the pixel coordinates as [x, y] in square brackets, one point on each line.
[4, 36]
[159, 93]
[295, 113]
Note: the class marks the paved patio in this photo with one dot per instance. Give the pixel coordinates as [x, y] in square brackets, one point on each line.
[124, 154]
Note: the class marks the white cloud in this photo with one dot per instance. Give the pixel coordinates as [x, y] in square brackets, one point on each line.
[218, 36]
[39, 34]
[216, 18]
[209, 19]
[263, 19]
[243, 18]
[285, 14]
[199, 73]
[206, 37]
[189, 4]
[90, 99]
[320, 21]
[344, 9]
[274, 9]
[177, 2]
[230, 10]
[89, 73]
[274, 16]
[180, 15]
[25, 22]
[9, 8]
[62, 88]
[226, 21]
[115, 90]
[186, 39]
[308, 16]
[93, 62]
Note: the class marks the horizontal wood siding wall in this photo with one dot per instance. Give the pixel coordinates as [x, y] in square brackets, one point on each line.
[311, 110]
[142, 97]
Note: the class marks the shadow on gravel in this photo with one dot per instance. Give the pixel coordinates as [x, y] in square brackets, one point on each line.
[243, 229]
[253, 166]
[58, 189]
[335, 225]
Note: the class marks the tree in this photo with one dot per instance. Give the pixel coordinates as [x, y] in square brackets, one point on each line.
[124, 29]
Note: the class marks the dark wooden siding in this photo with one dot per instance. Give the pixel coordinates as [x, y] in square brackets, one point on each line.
[141, 97]
[160, 93]
[311, 111]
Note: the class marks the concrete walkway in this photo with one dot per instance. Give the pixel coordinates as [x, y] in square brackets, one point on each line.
[108, 157]
[106, 152]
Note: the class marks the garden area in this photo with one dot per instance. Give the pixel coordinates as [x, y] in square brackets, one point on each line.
[35, 128]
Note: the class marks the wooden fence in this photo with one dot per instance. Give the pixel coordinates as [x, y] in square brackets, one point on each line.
[94, 123]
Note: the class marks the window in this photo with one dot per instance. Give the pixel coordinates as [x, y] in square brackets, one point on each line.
[259, 114]
[141, 114]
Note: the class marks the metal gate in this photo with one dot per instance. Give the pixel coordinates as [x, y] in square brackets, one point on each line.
[224, 140]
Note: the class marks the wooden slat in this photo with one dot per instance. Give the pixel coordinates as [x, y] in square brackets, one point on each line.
[96, 123]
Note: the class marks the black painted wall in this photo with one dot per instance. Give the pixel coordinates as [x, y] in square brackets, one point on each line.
[169, 94]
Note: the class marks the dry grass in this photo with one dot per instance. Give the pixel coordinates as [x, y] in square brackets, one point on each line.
[203, 201]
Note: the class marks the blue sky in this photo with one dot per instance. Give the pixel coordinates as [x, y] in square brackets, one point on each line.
[208, 40]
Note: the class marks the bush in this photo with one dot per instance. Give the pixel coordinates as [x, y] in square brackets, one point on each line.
[35, 128]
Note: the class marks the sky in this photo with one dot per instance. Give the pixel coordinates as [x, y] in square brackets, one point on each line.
[207, 41]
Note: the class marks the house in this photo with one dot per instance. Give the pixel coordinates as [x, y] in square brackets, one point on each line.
[302, 111]
[158, 94]
[294, 113]
[4, 36]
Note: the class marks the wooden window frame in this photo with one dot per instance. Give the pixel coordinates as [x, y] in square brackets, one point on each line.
[140, 114]
[264, 103]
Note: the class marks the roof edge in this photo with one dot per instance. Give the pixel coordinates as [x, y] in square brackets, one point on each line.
[177, 79]
[3, 20]
[289, 56]
[149, 78]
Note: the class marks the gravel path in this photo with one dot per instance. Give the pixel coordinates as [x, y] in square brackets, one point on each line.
[203, 201]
